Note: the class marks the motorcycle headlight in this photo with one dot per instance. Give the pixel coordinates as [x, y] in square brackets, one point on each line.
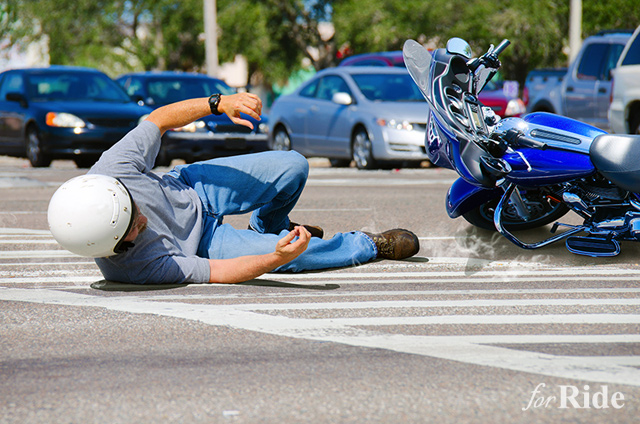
[64, 120]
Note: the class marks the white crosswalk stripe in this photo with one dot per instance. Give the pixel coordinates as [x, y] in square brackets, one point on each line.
[504, 317]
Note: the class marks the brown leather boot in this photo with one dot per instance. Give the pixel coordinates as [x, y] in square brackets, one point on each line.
[395, 244]
[314, 230]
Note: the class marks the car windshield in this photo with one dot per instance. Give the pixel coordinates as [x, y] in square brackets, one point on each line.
[74, 86]
[171, 90]
[388, 87]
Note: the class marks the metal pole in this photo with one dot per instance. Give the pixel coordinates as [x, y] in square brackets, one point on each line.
[575, 29]
[211, 37]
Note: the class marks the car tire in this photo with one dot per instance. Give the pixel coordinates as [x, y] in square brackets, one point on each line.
[85, 161]
[163, 158]
[34, 149]
[635, 124]
[340, 163]
[362, 150]
[281, 140]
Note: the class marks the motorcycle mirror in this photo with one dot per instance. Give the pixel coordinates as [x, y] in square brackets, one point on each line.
[418, 61]
[459, 46]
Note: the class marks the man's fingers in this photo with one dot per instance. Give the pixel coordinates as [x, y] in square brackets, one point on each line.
[304, 234]
[247, 103]
[287, 238]
[241, 121]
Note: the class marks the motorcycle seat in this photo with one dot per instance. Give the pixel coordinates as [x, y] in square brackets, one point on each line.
[617, 157]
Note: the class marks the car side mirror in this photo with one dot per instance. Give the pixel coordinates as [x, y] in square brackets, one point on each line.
[17, 97]
[610, 73]
[342, 98]
[137, 98]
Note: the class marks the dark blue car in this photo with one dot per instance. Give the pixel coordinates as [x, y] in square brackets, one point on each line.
[212, 136]
[63, 113]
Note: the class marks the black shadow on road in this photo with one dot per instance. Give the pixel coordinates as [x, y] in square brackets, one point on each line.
[106, 285]
[113, 286]
[280, 284]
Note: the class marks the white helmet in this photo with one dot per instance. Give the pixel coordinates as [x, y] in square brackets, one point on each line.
[90, 215]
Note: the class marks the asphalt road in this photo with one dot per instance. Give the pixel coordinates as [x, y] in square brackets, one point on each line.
[472, 330]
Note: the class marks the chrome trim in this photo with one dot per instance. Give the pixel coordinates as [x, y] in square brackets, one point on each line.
[548, 135]
[497, 221]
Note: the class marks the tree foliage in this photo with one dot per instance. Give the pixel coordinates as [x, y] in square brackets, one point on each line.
[536, 29]
[275, 35]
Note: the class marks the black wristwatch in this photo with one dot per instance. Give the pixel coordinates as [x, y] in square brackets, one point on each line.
[214, 101]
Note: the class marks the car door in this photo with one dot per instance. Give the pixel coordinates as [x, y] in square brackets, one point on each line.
[580, 102]
[324, 117]
[12, 114]
[293, 109]
[604, 86]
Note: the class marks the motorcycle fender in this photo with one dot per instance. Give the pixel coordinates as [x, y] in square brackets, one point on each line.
[463, 197]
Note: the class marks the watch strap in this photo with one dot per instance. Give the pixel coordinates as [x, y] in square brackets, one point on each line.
[214, 101]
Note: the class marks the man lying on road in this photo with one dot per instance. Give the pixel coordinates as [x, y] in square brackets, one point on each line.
[147, 228]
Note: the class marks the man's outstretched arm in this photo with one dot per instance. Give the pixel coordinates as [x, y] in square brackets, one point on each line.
[176, 115]
[245, 268]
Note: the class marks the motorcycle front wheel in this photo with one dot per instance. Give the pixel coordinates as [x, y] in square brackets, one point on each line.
[542, 209]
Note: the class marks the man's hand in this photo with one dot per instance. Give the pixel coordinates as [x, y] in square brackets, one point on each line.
[245, 268]
[288, 249]
[246, 103]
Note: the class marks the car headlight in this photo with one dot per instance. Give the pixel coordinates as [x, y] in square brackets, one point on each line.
[142, 118]
[65, 120]
[263, 128]
[515, 107]
[192, 127]
[395, 124]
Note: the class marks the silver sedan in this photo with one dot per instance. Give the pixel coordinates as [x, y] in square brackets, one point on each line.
[368, 115]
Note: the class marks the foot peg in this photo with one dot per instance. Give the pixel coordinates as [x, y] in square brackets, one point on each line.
[593, 246]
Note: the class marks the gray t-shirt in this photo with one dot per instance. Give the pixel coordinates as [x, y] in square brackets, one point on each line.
[166, 251]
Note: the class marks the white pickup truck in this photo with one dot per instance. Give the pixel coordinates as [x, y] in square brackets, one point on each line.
[584, 91]
[624, 112]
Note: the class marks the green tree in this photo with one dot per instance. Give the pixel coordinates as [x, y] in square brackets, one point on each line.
[275, 35]
[536, 29]
[157, 34]
[600, 15]
[77, 30]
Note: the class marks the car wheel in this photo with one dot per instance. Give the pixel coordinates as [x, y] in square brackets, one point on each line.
[281, 140]
[635, 126]
[34, 149]
[340, 163]
[163, 158]
[86, 161]
[362, 150]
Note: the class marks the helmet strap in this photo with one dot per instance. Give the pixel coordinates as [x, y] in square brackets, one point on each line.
[123, 246]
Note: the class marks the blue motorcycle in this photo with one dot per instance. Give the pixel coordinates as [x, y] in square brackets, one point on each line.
[524, 173]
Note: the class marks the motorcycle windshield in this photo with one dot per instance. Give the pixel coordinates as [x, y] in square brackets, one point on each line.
[418, 61]
[420, 64]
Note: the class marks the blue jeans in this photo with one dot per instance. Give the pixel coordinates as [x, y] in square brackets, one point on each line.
[269, 185]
